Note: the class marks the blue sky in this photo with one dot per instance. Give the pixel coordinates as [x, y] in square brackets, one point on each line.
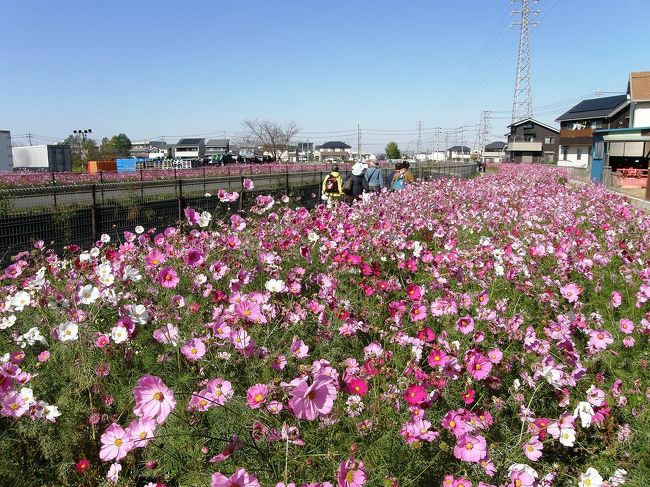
[201, 67]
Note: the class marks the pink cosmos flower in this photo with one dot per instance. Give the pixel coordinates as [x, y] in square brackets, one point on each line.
[298, 348]
[153, 399]
[192, 216]
[102, 340]
[13, 405]
[310, 401]
[241, 478]
[250, 311]
[226, 197]
[256, 395]
[351, 473]
[356, 386]
[478, 366]
[166, 334]
[231, 448]
[141, 431]
[415, 395]
[599, 339]
[470, 448]
[113, 473]
[533, 449]
[465, 325]
[154, 258]
[616, 299]
[626, 326]
[168, 278]
[571, 292]
[248, 184]
[414, 292]
[418, 312]
[521, 476]
[194, 258]
[468, 396]
[116, 443]
[193, 349]
[495, 355]
[437, 358]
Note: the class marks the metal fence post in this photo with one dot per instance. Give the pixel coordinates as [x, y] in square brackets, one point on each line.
[286, 175]
[181, 203]
[240, 205]
[54, 189]
[204, 191]
[141, 187]
[320, 186]
[93, 214]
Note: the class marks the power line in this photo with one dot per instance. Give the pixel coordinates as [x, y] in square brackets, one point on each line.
[522, 104]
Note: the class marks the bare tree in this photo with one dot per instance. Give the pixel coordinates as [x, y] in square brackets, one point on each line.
[271, 136]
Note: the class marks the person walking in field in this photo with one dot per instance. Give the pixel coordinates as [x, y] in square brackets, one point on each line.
[333, 187]
[402, 177]
[374, 177]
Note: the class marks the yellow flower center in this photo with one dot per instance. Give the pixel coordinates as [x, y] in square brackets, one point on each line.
[587, 482]
[143, 435]
[158, 396]
[452, 424]
[529, 448]
[155, 262]
[13, 406]
[349, 477]
[357, 388]
[517, 483]
[118, 442]
[194, 351]
[477, 367]
[258, 397]
[469, 446]
[247, 312]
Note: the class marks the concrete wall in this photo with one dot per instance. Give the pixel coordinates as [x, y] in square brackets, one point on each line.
[572, 156]
[641, 116]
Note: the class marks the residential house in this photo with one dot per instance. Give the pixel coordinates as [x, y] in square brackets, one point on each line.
[150, 149]
[459, 153]
[530, 141]
[638, 89]
[217, 147]
[333, 151]
[494, 152]
[189, 149]
[578, 124]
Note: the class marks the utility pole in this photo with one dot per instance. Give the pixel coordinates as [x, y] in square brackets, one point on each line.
[522, 104]
[419, 146]
[358, 142]
[29, 136]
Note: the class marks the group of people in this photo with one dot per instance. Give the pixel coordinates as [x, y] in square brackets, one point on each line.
[365, 178]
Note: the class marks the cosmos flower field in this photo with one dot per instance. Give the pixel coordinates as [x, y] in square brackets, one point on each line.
[460, 333]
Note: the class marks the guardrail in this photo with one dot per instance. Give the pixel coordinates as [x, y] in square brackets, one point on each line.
[80, 214]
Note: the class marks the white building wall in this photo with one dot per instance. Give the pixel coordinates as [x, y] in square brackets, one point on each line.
[572, 156]
[641, 115]
[6, 156]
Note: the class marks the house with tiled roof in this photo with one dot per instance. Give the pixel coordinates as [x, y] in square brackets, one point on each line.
[189, 149]
[531, 141]
[638, 89]
[577, 126]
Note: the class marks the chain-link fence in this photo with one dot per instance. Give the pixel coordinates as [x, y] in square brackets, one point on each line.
[80, 214]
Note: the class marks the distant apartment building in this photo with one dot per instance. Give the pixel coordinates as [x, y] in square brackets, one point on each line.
[217, 147]
[189, 149]
[530, 141]
[495, 152]
[459, 153]
[6, 156]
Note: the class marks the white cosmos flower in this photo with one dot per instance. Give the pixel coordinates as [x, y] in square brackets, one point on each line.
[204, 219]
[131, 273]
[68, 332]
[138, 313]
[104, 269]
[552, 375]
[567, 436]
[27, 394]
[105, 238]
[522, 467]
[107, 279]
[139, 229]
[51, 412]
[7, 321]
[586, 413]
[274, 285]
[94, 252]
[88, 294]
[591, 478]
[313, 237]
[32, 336]
[20, 300]
[119, 334]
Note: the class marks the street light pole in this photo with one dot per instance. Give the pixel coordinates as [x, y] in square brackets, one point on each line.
[83, 133]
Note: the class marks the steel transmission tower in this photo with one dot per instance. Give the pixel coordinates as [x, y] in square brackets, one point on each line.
[522, 105]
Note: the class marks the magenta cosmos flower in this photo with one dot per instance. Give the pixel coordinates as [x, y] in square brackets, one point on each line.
[116, 443]
[478, 366]
[571, 292]
[168, 278]
[193, 349]
[470, 448]
[351, 474]
[356, 386]
[153, 399]
[241, 478]
[310, 401]
[415, 394]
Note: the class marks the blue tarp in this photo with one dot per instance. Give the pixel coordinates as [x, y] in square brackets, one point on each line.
[127, 165]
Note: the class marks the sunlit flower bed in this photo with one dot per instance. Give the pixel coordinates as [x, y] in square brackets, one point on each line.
[31, 179]
[489, 332]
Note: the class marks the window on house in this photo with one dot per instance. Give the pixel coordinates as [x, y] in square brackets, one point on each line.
[529, 138]
[599, 150]
[579, 154]
[597, 124]
[565, 153]
[548, 140]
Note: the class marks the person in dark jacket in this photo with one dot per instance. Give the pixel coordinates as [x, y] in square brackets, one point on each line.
[359, 183]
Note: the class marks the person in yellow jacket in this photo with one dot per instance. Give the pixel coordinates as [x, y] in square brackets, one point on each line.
[333, 187]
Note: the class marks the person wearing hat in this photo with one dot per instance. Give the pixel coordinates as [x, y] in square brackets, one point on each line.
[359, 183]
[374, 177]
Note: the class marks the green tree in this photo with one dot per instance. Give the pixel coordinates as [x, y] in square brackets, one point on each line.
[392, 151]
[117, 146]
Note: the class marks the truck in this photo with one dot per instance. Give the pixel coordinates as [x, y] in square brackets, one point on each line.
[45, 158]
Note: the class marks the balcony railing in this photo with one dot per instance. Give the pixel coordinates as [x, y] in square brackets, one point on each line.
[576, 134]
